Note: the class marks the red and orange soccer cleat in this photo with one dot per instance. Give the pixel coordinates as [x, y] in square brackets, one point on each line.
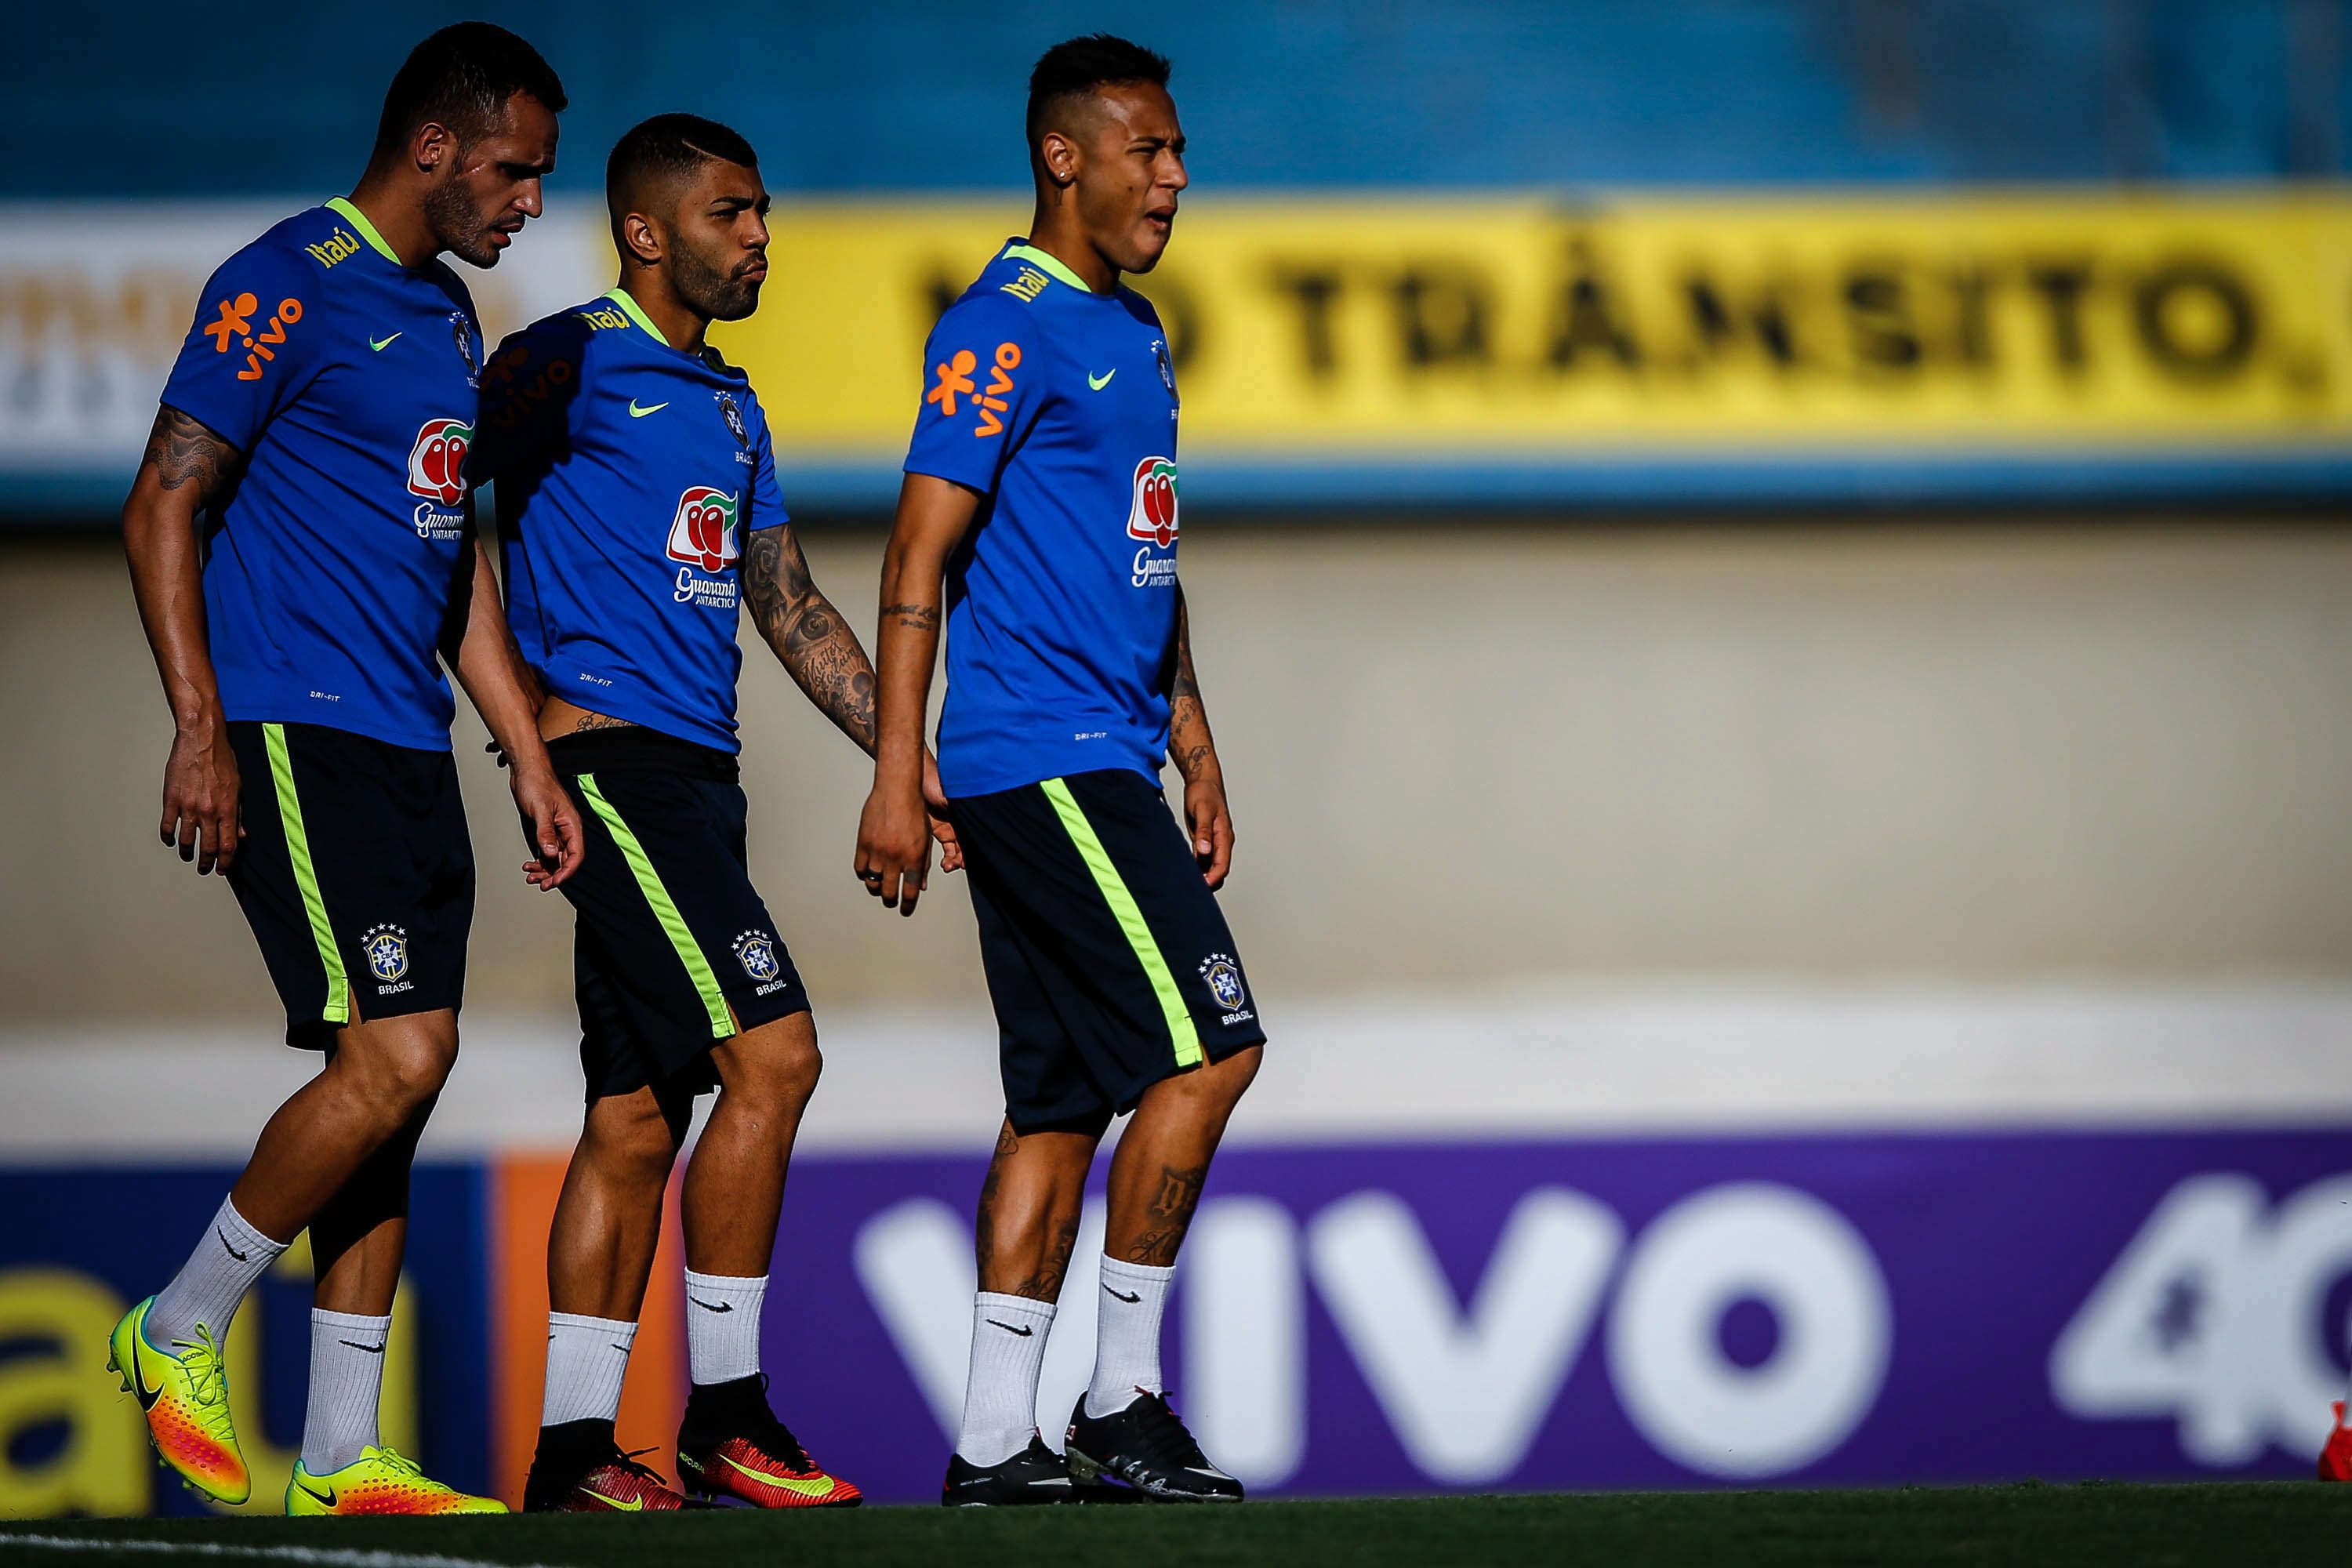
[733, 1446]
[613, 1484]
[2336, 1459]
[183, 1392]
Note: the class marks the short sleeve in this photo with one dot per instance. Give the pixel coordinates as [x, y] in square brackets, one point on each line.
[983, 387]
[767, 508]
[252, 347]
[528, 389]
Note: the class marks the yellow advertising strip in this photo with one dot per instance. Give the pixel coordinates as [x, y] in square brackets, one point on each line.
[1315, 328]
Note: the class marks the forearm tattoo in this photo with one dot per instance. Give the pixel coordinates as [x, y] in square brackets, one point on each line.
[1170, 1215]
[810, 637]
[182, 452]
[914, 617]
[1189, 745]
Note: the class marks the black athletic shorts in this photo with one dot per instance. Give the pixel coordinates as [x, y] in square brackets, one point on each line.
[672, 950]
[1107, 958]
[355, 874]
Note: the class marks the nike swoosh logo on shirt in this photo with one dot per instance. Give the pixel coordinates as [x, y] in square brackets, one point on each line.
[637, 413]
[379, 345]
[1094, 384]
[1024, 1330]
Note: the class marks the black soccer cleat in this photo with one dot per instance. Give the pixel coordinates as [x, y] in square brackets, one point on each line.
[1033, 1476]
[1147, 1448]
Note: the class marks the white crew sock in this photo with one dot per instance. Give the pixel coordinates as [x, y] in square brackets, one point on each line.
[217, 1274]
[722, 1326]
[346, 1376]
[587, 1360]
[1126, 1335]
[1000, 1401]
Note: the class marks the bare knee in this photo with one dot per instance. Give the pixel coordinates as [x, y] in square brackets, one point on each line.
[772, 1068]
[630, 1139]
[1213, 1088]
[399, 1066]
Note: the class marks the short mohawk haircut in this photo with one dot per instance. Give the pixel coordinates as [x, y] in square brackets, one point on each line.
[1076, 66]
[669, 146]
[461, 77]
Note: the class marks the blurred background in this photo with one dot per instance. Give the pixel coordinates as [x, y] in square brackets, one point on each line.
[1773, 583]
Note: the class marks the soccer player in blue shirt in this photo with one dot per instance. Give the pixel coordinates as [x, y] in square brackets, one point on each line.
[638, 510]
[1041, 486]
[316, 422]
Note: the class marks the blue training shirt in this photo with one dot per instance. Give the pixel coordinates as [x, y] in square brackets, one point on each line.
[1058, 405]
[333, 564]
[628, 475]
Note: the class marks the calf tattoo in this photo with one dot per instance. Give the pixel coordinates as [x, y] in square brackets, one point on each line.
[1171, 1212]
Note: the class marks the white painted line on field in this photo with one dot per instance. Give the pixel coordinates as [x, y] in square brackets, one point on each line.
[317, 1556]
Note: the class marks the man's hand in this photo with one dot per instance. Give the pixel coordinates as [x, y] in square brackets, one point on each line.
[1212, 825]
[894, 846]
[200, 786]
[555, 821]
[934, 798]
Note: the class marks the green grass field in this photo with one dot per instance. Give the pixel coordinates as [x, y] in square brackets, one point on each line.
[2131, 1526]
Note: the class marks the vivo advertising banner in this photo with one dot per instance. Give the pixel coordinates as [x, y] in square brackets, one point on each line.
[1834, 1310]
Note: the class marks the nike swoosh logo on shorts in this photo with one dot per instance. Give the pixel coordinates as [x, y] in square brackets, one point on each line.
[379, 347]
[637, 413]
[1094, 386]
[1024, 1330]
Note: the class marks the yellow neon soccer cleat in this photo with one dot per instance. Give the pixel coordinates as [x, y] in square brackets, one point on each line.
[378, 1482]
[183, 1393]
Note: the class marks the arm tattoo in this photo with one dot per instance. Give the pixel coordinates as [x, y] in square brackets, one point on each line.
[811, 639]
[183, 451]
[1189, 745]
[916, 618]
[1170, 1215]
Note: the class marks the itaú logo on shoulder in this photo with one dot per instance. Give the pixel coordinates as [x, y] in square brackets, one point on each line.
[703, 532]
[437, 464]
[1152, 515]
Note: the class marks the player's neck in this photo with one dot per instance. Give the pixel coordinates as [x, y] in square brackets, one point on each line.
[679, 324]
[399, 224]
[1061, 239]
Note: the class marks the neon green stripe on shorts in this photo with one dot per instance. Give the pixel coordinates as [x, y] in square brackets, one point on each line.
[1123, 908]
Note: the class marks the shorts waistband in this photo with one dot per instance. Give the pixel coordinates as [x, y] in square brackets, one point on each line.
[632, 748]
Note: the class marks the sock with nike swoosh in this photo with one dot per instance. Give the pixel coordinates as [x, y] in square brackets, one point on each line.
[346, 1377]
[587, 1360]
[208, 1287]
[722, 1326]
[1000, 1400]
[1127, 1334]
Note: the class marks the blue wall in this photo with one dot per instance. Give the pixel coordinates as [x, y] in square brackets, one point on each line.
[146, 98]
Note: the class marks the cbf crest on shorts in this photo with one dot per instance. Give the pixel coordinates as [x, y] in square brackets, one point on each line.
[757, 954]
[1224, 978]
[386, 947]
